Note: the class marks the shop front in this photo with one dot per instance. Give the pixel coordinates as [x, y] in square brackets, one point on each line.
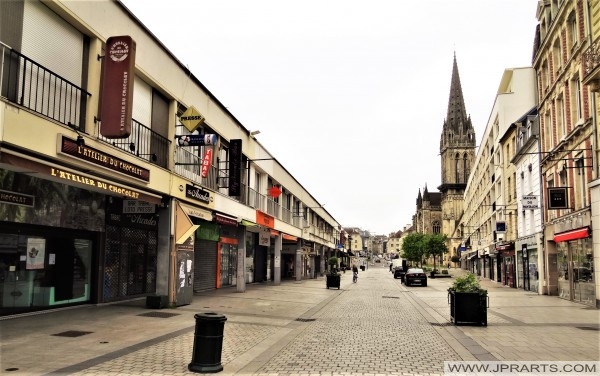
[68, 237]
[528, 276]
[506, 251]
[576, 266]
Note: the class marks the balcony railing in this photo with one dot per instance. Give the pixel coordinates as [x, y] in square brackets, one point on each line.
[144, 143]
[188, 165]
[29, 84]
[591, 62]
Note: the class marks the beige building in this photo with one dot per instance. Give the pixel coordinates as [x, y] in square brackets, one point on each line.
[566, 63]
[489, 225]
[123, 176]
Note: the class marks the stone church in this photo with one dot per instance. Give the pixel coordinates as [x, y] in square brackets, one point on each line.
[440, 212]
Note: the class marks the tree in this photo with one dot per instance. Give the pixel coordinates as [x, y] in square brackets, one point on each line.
[436, 245]
[413, 247]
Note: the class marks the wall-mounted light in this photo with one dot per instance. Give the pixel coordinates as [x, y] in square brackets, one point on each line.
[80, 140]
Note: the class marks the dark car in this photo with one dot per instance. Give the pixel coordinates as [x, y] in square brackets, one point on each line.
[415, 276]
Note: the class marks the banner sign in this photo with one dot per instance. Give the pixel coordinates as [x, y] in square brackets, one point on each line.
[235, 167]
[197, 140]
[206, 163]
[117, 87]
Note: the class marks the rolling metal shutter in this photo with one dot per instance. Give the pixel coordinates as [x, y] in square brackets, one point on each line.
[205, 265]
[52, 42]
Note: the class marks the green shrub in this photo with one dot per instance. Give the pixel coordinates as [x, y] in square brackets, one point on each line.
[467, 283]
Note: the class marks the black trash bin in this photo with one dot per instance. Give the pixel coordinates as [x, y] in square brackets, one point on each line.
[208, 343]
[362, 267]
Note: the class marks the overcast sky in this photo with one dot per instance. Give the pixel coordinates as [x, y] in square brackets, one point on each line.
[350, 96]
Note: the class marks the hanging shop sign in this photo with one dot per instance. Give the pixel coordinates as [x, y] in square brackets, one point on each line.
[117, 87]
[197, 140]
[264, 237]
[557, 198]
[96, 157]
[191, 119]
[206, 163]
[530, 202]
[235, 167]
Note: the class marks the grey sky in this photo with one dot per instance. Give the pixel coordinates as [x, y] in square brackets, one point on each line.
[350, 96]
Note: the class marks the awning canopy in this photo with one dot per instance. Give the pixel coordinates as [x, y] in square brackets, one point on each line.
[580, 233]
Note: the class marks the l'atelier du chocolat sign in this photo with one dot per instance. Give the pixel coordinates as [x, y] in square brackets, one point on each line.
[88, 154]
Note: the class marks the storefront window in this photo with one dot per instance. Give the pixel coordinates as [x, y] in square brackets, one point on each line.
[533, 271]
[249, 257]
[564, 290]
[39, 271]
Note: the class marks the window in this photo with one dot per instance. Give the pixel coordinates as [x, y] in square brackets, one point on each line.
[573, 29]
[576, 99]
[457, 169]
[465, 168]
[557, 58]
[560, 117]
[436, 227]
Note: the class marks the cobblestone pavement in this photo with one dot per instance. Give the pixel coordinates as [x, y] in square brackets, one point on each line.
[374, 327]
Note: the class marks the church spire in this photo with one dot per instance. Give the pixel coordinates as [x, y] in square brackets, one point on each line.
[457, 130]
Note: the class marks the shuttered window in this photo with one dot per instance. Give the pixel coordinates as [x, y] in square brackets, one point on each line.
[52, 42]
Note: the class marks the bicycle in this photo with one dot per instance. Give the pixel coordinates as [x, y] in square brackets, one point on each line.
[355, 277]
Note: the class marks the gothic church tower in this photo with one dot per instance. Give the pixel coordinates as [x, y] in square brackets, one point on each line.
[457, 151]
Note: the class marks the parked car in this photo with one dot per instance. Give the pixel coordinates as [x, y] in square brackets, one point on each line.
[399, 268]
[415, 276]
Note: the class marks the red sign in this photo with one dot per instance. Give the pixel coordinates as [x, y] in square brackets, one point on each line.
[206, 163]
[274, 191]
[117, 87]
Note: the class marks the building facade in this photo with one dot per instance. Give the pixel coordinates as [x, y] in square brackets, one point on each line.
[115, 185]
[566, 32]
[489, 224]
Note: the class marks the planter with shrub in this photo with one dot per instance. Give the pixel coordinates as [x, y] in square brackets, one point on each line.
[333, 277]
[468, 301]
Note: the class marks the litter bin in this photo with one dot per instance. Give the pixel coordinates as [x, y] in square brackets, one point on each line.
[208, 343]
[362, 267]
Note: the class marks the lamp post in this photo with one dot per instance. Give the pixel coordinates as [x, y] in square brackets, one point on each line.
[349, 245]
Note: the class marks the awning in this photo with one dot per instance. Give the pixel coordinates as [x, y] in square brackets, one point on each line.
[196, 212]
[248, 223]
[580, 233]
[225, 219]
[290, 237]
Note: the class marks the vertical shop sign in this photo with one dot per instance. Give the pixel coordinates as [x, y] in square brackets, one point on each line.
[206, 163]
[235, 167]
[117, 87]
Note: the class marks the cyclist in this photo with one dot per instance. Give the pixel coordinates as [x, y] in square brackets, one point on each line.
[354, 273]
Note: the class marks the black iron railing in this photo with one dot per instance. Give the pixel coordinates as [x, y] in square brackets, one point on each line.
[28, 84]
[143, 142]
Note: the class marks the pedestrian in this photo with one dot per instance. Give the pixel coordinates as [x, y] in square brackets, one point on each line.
[391, 266]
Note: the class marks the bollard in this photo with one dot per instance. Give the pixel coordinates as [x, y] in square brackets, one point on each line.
[208, 343]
